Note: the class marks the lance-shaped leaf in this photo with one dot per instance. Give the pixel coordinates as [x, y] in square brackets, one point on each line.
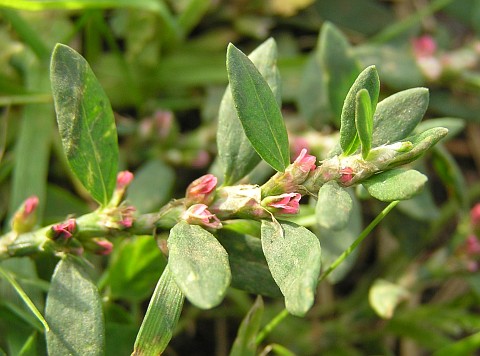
[258, 110]
[334, 206]
[339, 65]
[245, 342]
[236, 153]
[161, 318]
[86, 123]
[364, 121]
[294, 256]
[397, 116]
[368, 81]
[74, 312]
[199, 265]
[397, 184]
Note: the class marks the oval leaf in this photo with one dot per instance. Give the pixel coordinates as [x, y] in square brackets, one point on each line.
[86, 123]
[74, 312]
[334, 206]
[258, 110]
[384, 297]
[236, 153]
[161, 318]
[396, 184]
[199, 265]
[367, 80]
[397, 116]
[364, 121]
[293, 255]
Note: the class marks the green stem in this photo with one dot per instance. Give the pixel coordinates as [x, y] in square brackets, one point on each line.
[271, 325]
[359, 240]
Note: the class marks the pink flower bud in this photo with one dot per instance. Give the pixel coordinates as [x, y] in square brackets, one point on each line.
[30, 205]
[199, 215]
[127, 216]
[424, 46]
[346, 175]
[287, 203]
[25, 217]
[201, 190]
[475, 215]
[305, 162]
[124, 178]
[103, 247]
[64, 230]
[472, 245]
[163, 122]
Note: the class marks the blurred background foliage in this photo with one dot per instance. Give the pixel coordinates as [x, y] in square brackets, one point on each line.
[411, 289]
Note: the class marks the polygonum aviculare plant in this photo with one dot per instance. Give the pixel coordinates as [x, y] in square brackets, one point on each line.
[222, 218]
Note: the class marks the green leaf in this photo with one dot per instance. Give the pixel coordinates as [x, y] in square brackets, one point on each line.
[397, 184]
[245, 342]
[74, 312]
[369, 82]
[151, 187]
[384, 297]
[339, 66]
[312, 97]
[249, 268]
[293, 255]
[199, 265]
[398, 115]
[335, 242]
[236, 153]
[161, 318]
[364, 121]
[258, 110]
[36, 5]
[467, 346]
[33, 145]
[24, 297]
[134, 268]
[86, 123]
[334, 206]
[421, 143]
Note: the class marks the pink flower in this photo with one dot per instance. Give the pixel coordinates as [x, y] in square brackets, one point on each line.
[25, 217]
[305, 162]
[103, 246]
[346, 175]
[424, 46]
[475, 215]
[287, 203]
[472, 245]
[124, 178]
[64, 230]
[30, 205]
[201, 190]
[199, 215]
[127, 214]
